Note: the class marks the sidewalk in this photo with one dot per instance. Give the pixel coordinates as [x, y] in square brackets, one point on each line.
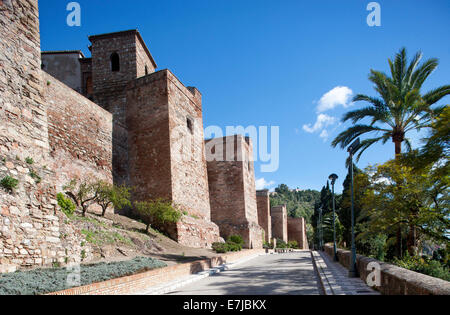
[334, 278]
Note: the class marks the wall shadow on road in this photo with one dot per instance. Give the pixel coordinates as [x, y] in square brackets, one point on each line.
[283, 276]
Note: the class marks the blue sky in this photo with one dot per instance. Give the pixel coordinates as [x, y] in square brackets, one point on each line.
[272, 63]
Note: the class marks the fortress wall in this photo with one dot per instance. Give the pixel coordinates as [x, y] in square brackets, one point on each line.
[188, 167]
[297, 232]
[148, 121]
[109, 90]
[264, 219]
[80, 134]
[31, 228]
[161, 164]
[143, 60]
[232, 192]
[279, 223]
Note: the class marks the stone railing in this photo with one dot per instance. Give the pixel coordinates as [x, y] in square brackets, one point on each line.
[393, 280]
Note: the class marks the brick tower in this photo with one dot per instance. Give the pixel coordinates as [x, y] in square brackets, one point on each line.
[166, 152]
[232, 188]
[117, 59]
[279, 223]
[264, 218]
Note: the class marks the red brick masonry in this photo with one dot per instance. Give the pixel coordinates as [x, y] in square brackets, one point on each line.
[139, 282]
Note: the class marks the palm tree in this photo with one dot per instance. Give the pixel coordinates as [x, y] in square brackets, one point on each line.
[399, 108]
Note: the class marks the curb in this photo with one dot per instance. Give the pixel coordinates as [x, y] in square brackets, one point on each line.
[320, 265]
[172, 286]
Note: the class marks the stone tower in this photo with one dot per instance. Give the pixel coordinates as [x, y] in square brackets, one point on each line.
[232, 188]
[117, 59]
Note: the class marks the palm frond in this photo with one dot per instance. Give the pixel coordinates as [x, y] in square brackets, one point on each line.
[347, 136]
[435, 95]
[364, 145]
[421, 74]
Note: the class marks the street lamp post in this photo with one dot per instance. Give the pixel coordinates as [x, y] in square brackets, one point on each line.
[352, 269]
[320, 229]
[333, 178]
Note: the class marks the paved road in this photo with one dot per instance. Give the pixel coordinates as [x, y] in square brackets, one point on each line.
[287, 274]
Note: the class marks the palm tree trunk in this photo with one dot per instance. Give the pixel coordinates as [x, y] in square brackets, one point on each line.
[398, 148]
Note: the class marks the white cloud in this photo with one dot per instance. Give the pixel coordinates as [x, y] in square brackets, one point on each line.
[261, 184]
[324, 135]
[322, 122]
[339, 96]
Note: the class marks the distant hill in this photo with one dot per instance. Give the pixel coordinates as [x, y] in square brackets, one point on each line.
[300, 203]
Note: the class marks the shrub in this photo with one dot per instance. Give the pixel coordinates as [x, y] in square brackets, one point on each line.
[292, 244]
[41, 281]
[35, 176]
[237, 239]
[220, 247]
[9, 183]
[66, 205]
[281, 243]
[29, 160]
[426, 266]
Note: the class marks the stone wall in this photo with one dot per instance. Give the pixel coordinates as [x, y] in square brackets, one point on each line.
[32, 231]
[167, 155]
[279, 222]
[232, 189]
[297, 232]
[394, 280]
[264, 218]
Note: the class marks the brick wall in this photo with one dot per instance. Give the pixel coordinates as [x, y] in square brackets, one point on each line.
[109, 89]
[232, 189]
[394, 280]
[264, 219]
[297, 232]
[279, 222]
[80, 134]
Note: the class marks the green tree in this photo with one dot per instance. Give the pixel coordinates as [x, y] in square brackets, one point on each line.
[400, 107]
[157, 212]
[398, 195]
[343, 205]
[111, 195]
[436, 150]
[82, 192]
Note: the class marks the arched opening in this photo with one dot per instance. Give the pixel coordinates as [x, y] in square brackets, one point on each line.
[146, 70]
[115, 62]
